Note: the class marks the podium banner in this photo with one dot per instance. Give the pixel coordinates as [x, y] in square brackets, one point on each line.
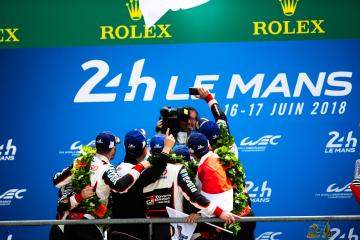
[293, 108]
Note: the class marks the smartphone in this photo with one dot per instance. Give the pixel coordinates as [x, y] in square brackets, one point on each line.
[193, 91]
[357, 168]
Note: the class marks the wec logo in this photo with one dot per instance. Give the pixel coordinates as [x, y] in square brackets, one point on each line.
[265, 140]
[9, 195]
[75, 148]
[269, 236]
[333, 189]
[258, 145]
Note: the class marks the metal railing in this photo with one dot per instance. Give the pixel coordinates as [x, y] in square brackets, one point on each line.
[179, 220]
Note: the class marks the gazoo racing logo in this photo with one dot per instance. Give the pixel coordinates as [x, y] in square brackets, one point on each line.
[150, 200]
[8, 151]
[291, 26]
[75, 148]
[269, 236]
[248, 144]
[341, 143]
[7, 197]
[336, 191]
[259, 193]
[333, 84]
[136, 30]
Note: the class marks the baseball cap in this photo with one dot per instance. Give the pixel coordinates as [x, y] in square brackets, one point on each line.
[157, 143]
[198, 144]
[141, 130]
[201, 121]
[134, 142]
[211, 130]
[106, 140]
[182, 151]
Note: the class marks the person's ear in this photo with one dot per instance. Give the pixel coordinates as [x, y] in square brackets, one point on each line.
[145, 152]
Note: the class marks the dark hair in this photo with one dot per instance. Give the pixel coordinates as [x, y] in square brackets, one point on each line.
[193, 109]
[135, 154]
[103, 151]
[172, 118]
[200, 154]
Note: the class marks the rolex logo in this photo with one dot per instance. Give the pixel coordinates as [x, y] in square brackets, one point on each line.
[288, 6]
[8, 35]
[289, 26]
[134, 10]
[136, 30]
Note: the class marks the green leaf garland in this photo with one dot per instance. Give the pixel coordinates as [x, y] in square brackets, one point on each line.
[234, 171]
[81, 179]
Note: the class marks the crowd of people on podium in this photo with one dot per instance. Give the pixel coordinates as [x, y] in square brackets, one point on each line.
[154, 175]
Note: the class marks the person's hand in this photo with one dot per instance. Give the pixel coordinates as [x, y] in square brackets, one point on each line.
[192, 218]
[227, 217]
[87, 192]
[169, 142]
[146, 164]
[203, 92]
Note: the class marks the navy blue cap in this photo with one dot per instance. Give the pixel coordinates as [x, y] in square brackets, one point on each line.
[211, 130]
[198, 144]
[182, 151]
[134, 142]
[157, 143]
[201, 121]
[106, 140]
[141, 130]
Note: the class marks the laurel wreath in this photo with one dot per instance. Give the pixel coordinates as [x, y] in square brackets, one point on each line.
[190, 166]
[234, 171]
[233, 167]
[81, 178]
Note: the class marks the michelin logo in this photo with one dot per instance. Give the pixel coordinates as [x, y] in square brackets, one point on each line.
[7, 197]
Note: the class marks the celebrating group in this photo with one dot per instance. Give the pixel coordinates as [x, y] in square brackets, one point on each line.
[190, 165]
